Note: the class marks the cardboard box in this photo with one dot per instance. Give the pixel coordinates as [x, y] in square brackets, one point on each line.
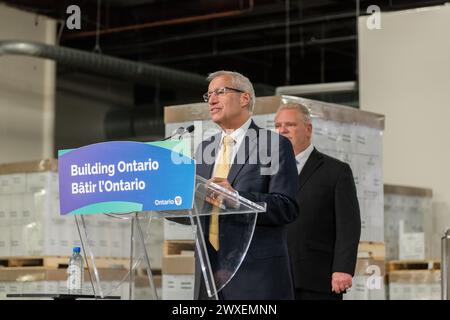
[412, 246]
[125, 231]
[4, 240]
[174, 262]
[116, 249]
[371, 249]
[17, 183]
[29, 198]
[368, 281]
[4, 207]
[351, 135]
[178, 231]
[407, 213]
[29, 166]
[45, 280]
[142, 290]
[4, 184]
[31, 223]
[177, 287]
[415, 285]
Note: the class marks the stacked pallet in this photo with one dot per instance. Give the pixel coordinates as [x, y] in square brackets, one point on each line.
[53, 262]
[31, 275]
[407, 217]
[414, 280]
[19, 275]
[178, 269]
[33, 235]
[142, 289]
[30, 220]
[369, 278]
[349, 134]
[346, 133]
[153, 234]
[178, 262]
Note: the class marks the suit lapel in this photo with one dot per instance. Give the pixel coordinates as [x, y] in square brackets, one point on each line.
[246, 148]
[314, 161]
[206, 169]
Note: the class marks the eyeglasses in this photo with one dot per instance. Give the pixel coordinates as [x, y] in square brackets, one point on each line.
[220, 91]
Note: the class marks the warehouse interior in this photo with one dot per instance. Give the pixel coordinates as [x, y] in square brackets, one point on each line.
[132, 66]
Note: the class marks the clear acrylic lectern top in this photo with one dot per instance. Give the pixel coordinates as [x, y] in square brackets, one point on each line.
[237, 220]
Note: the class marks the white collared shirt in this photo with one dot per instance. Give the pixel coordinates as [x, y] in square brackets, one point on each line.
[238, 136]
[303, 156]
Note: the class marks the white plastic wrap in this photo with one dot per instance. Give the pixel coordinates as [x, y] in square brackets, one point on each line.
[358, 145]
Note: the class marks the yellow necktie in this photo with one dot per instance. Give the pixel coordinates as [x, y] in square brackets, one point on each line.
[222, 168]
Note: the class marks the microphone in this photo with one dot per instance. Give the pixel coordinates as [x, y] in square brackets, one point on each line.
[187, 130]
[179, 131]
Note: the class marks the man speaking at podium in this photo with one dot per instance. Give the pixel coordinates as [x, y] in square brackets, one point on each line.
[265, 271]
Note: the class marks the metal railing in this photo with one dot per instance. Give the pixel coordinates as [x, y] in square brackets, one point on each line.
[445, 259]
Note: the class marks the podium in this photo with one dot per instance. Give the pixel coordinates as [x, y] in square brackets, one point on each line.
[237, 220]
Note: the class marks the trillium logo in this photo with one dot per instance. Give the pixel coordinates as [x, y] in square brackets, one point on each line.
[178, 200]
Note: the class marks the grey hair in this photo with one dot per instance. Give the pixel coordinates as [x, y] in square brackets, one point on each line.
[239, 81]
[303, 110]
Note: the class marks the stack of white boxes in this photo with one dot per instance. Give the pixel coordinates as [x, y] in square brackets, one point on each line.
[405, 211]
[154, 243]
[368, 281]
[108, 237]
[29, 209]
[31, 225]
[30, 220]
[142, 289]
[346, 133]
[178, 261]
[349, 134]
[370, 273]
[415, 285]
[53, 281]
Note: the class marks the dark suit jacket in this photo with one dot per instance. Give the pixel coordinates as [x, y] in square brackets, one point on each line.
[265, 271]
[324, 239]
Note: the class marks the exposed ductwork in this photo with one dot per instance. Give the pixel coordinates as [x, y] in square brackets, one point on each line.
[120, 124]
[106, 65]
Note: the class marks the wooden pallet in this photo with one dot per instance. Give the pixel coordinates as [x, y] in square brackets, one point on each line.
[142, 272]
[373, 250]
[400, 265]
[57, 262]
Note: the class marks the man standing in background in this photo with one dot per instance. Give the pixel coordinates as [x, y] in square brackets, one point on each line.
[323, 241]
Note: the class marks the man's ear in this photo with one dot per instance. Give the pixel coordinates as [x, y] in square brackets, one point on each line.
[245, 99]
[309, 127]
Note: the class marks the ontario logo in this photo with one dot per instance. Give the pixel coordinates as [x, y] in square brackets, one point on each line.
[177, 201]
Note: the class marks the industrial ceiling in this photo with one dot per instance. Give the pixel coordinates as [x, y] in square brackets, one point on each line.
[273, 42]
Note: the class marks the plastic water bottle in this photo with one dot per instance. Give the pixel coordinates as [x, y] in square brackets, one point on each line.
[76, 272]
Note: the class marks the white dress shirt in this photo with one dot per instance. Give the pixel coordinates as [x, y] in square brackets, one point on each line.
[303, 156]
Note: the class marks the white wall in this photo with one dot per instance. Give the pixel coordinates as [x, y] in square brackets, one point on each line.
[27, 90]
[404, 73]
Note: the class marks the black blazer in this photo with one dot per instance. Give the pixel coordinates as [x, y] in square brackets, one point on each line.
[324, 239]
[265, 271]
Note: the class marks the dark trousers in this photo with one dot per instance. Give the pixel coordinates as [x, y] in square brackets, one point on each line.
[302, 294]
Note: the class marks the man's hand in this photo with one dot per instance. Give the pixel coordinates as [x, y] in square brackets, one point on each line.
[223, 182]
[340, 282]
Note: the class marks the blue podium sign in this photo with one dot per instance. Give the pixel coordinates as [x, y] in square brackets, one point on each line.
[122, 176]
